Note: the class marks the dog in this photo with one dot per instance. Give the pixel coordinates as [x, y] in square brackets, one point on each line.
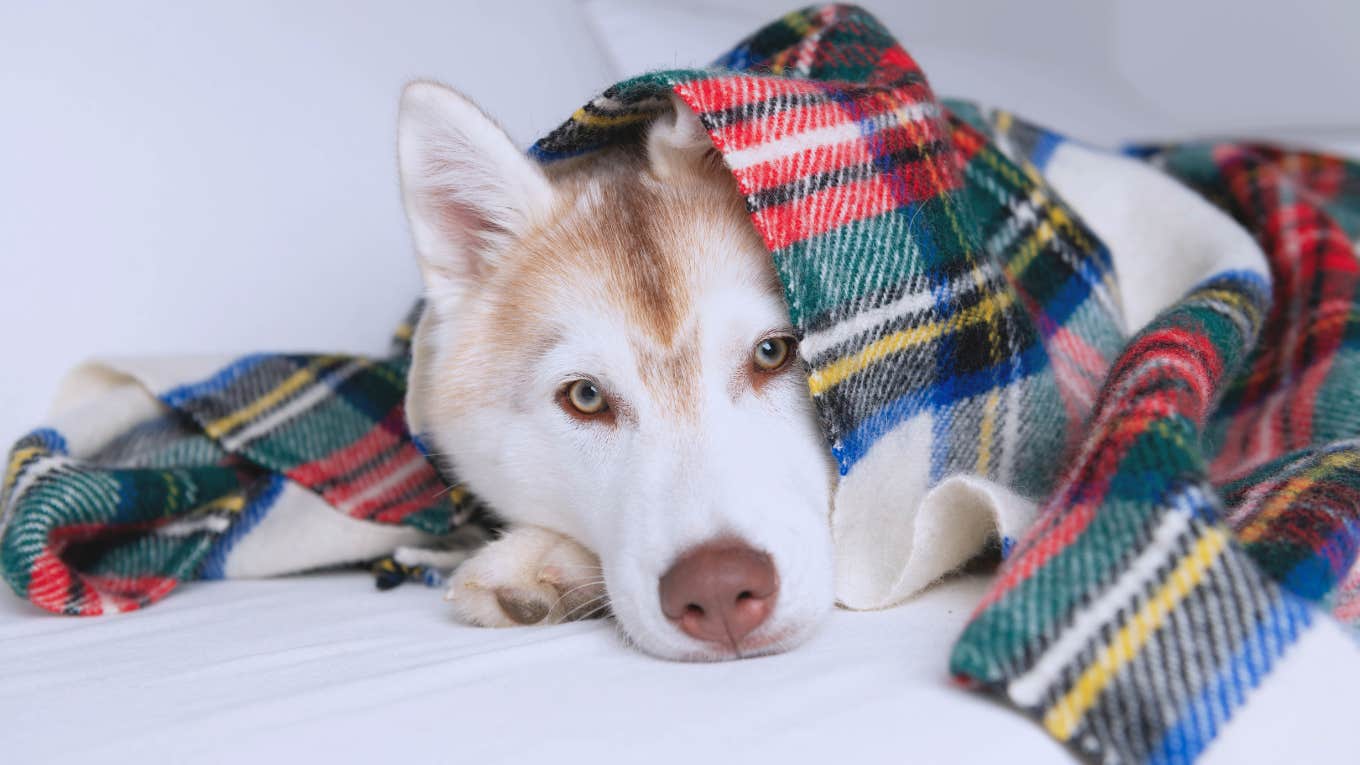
[606, 359]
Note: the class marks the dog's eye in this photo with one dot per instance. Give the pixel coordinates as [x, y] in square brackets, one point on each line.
[585, 397]
[772, 353]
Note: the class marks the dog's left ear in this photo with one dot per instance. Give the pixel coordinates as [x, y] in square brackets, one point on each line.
[467, 188]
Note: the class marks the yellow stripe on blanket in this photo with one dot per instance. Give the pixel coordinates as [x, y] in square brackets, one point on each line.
[609, 120]
[232, 503]
[831, 375]
[295, 382]
[986, 432]
[1062, 719]
[1286, 497]
[16, 463]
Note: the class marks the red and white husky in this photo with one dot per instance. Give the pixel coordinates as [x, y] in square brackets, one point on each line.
[607, 360]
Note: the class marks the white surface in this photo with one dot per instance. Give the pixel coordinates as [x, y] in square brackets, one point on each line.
[1295, 716]
[324, 668]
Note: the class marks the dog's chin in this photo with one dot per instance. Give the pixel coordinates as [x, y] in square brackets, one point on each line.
[682, 648]
[765, 643]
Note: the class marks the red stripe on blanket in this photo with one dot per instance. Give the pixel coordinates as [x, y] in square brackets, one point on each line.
[804, 218]
[383, 436]
[787, 124]
[723, 93]
[377, 505]
[128, 593]
[1316, 278]
[49, 587]
[422, 496]
[1118, 426]
[825, 158]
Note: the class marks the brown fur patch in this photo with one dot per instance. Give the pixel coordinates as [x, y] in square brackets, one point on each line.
[622, 240]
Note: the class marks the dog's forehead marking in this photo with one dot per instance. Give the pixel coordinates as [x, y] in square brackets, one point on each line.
[644, 251]
[637, 241]
[652, 261]
[650, 266]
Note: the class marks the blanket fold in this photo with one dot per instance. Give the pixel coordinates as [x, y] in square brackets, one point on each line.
[157, 471]
[1134, 373]
[1213, 496]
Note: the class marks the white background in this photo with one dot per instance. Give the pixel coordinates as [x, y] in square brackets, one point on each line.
[219, 177]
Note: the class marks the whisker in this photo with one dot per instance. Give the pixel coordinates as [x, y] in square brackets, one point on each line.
[567, 617]
[580, 586]
[602, 600]
[443, 491]
[591, 583]
[602, 607]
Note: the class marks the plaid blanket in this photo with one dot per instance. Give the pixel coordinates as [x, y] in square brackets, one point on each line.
[164, 470]
[1177, 506]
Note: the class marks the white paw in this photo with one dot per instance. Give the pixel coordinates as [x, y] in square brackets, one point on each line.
[528, 576]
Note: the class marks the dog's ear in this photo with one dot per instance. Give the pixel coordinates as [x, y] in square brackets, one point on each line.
[467, 189]
[678, 143]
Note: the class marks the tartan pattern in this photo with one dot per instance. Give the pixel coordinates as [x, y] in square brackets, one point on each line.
[254, 409]
[1283, 437]
[1061, 272]
[1214, 496]
[1297, 517]
[168, 500]
[80, 539]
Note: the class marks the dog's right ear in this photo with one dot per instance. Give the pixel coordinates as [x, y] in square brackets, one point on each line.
[467, 189]
[677, 142]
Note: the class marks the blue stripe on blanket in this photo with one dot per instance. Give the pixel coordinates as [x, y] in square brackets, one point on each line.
[50, 440]
[854, 445]
[215, 562]
[1043, 149]
[1212, 707]
[177, 397]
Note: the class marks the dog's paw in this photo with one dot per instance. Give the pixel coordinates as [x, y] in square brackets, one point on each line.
[529, 576]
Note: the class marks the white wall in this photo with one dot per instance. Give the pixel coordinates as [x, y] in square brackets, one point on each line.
[1108, 70]
[219, 177]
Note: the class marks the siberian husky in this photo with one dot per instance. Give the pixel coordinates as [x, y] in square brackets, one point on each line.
[607, 360]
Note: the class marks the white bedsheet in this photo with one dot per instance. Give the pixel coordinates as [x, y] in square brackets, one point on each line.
[324, 666]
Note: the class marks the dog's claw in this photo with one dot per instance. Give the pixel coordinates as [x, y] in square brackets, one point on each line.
[522, 608]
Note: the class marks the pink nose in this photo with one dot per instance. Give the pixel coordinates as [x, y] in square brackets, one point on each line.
[720, 592]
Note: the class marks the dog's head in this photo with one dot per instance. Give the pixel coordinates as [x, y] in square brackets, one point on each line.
[606, 353]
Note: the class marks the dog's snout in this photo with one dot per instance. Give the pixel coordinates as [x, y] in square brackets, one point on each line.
[720, 592]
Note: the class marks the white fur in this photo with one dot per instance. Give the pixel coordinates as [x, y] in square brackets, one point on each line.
[747, 464]
[464, 184]
[534, 567]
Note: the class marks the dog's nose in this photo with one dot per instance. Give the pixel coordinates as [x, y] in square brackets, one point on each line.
[720, 592]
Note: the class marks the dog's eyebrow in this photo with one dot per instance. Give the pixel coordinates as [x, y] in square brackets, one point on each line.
[544, 344]
[534, 348]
